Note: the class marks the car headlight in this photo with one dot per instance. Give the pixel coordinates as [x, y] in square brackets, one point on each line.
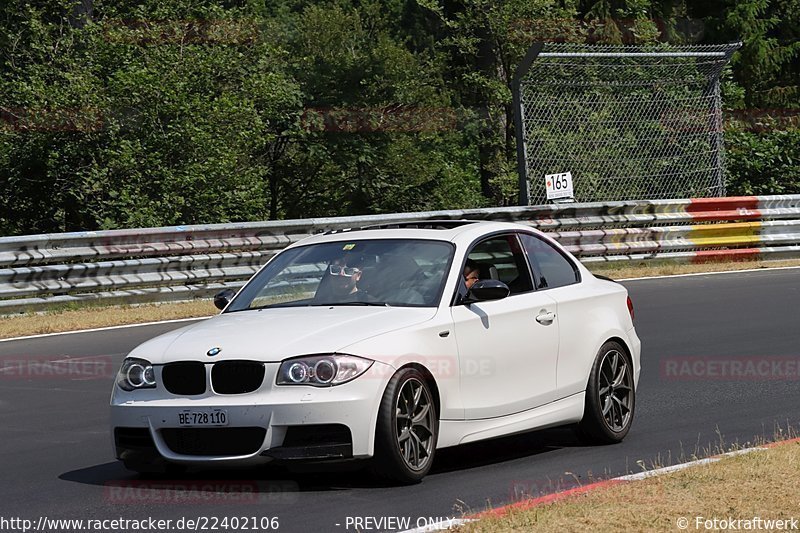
[322, 370]
[136, 374]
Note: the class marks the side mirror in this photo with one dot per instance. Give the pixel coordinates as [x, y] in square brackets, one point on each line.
[487, 289]
[223, 297]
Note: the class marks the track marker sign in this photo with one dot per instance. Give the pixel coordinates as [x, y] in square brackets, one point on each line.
[559, 186]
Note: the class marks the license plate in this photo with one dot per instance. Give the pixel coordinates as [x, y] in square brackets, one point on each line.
[208, 417]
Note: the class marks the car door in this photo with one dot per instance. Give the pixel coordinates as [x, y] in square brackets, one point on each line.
[507, 348]
[557, 276]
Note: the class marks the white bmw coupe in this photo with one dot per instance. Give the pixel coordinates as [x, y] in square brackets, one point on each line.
[386, 343]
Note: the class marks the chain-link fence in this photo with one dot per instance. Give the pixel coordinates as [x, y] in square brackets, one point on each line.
[628, 122]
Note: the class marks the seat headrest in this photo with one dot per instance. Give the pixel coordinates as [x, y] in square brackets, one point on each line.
[487, 271]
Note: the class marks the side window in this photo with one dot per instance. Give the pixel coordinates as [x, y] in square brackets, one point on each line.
[552, 267]
[502, 258]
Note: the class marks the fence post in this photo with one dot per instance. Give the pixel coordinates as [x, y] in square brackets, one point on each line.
[519, 126]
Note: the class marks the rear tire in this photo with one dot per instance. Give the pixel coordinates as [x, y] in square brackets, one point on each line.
[610, 397]
[407, 429]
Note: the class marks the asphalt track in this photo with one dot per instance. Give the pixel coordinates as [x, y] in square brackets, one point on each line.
[56, 459]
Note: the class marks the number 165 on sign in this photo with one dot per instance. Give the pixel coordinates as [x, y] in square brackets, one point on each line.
[559, 185]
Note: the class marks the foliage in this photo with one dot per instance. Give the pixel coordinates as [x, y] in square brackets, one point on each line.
[143, 113]
[763, 163]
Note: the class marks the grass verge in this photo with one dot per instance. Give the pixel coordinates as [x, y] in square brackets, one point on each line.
[88, 317]
[92, 316]
[763, 484]
[646, 269]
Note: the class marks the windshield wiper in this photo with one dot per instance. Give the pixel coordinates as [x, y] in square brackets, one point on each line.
[248, 309]
[295, 304]
[266, 306]
[336, 304]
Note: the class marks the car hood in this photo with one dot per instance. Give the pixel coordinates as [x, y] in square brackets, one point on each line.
[271, 335]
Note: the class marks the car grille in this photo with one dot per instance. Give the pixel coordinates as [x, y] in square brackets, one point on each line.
[185, 378]
[237, 377]
[214, 441]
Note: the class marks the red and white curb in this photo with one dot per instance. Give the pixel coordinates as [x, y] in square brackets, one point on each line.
[558, 496]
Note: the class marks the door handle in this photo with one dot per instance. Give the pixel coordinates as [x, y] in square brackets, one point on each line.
[545, 318]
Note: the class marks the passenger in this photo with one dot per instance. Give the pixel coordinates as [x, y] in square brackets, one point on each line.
[471, 273]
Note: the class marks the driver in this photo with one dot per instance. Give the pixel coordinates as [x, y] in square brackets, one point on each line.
[344, 275]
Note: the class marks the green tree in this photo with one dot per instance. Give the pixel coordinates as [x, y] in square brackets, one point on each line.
[381, 132]
[144, 115]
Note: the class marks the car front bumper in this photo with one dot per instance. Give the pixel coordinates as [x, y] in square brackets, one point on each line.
[273, 422]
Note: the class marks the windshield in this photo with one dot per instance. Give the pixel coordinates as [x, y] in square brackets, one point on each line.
[388, 272]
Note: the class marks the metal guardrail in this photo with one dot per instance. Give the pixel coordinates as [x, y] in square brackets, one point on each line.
[186, 262]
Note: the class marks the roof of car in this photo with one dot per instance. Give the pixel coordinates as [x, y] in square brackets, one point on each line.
[442, 230]
[415, 224]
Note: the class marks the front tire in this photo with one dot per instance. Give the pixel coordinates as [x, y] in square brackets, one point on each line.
[407, 429]
[610, 396]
